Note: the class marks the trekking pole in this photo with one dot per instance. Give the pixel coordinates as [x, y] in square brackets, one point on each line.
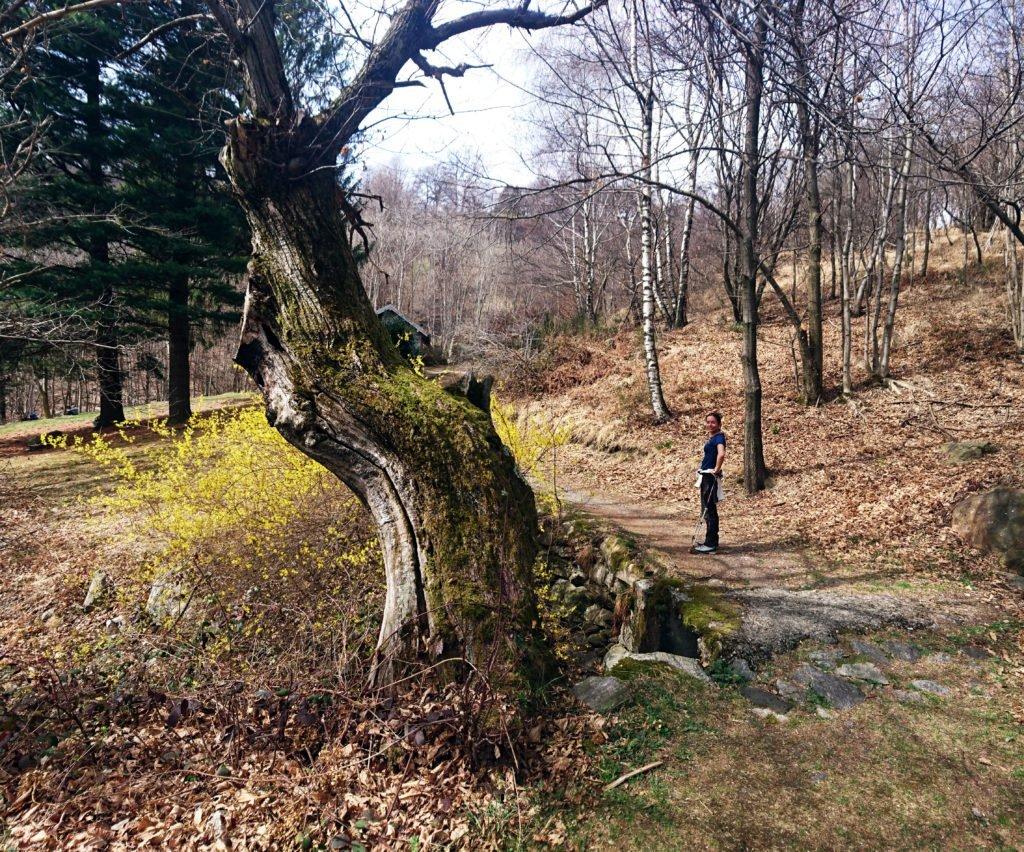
[696, 529]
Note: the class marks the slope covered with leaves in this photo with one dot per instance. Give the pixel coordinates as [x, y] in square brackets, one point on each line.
[866, 481]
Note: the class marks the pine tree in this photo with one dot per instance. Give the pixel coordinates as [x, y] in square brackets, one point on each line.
[128, 227]
[188, 228]
[66, 260]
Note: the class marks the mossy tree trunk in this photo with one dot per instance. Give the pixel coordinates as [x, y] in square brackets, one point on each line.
[456, 521]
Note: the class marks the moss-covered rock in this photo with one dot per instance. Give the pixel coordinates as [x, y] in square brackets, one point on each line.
[664, 614]
[712, 617]
[618, 656]
[959, 452]
[617, 552]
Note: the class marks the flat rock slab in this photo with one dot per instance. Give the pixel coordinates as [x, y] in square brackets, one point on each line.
[687, 665]
[868, 672]
[776, 620]
[765, 699]
[869, 650]
[902, 651]
[976, 652]
[932, 688]
[839, 693]
[826, 659]
[602, 694]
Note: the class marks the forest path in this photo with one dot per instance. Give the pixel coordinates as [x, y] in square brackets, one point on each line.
[668, 529]
[785, 595]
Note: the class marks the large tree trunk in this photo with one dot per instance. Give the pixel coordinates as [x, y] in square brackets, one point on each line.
[108, 366]
[44, 394]
[108, 375]
[179, 332]
[456, 522]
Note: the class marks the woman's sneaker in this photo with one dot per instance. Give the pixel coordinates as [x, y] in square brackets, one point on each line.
[703, 548]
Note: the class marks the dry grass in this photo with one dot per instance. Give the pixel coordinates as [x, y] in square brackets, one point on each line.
[944, 774]
[248, 723]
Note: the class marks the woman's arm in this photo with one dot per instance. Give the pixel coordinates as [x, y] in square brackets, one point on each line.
[721, 459]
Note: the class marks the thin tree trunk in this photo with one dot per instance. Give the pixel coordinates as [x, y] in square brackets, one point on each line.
[1015, 290]
[811, 353]
[860, 302]
[179, 381]
[753, 446]
[901, 245]
[658, 278]
[658, 406]
[644, 90]
[590, 249]
[848, 275]
[683, 290]
[44, 394]
[926, 251]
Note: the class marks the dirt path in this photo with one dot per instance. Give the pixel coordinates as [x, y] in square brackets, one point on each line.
[784, 596]
[669, 528]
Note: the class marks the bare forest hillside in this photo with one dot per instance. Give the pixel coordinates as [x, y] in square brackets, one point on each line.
[867, 480]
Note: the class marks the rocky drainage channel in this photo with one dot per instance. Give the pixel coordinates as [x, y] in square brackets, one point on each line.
[627, 609]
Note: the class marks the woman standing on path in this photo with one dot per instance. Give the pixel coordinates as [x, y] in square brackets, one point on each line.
[710, 475]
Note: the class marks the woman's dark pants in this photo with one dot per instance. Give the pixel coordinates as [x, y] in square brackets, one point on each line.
[709, 503]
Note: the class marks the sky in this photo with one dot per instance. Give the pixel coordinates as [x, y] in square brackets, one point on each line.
[492, 106]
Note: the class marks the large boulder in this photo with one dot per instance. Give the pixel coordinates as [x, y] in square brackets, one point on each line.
[687, 665]
[602, 694]
[994, 520]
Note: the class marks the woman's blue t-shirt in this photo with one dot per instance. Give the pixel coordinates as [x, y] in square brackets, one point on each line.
[711, 451]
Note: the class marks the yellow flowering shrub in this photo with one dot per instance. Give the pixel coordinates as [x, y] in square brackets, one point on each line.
[267, 546]
[534, 442]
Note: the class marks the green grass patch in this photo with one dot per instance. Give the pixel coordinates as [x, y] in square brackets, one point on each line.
[72, 422]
